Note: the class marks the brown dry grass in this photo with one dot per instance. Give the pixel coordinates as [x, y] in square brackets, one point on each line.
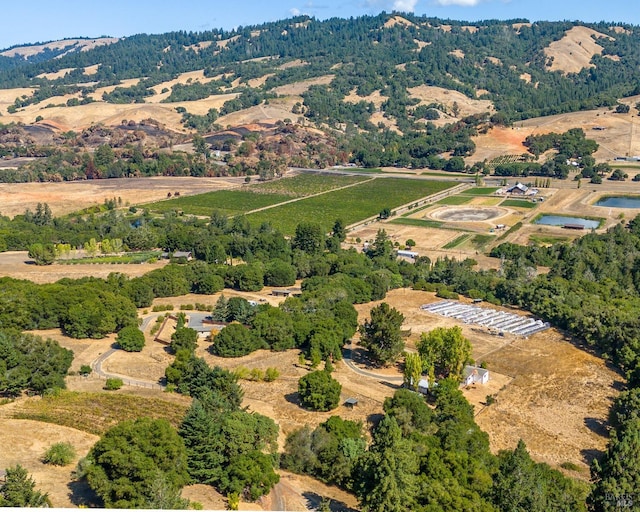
[71, 196]
[183, 78]
[24, 442]
[56, 75]
[16, 264]
[84, 44]
[558, 402]
[398, 20]
[620, 137]
[300, 87]
[551, 393]
[574, 51]
[375, 97]
[468, 106]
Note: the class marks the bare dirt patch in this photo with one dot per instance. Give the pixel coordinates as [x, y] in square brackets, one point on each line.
[500, 141]
[574, 51]
[467, 213]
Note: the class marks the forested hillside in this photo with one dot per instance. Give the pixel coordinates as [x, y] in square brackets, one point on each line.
[503, 61]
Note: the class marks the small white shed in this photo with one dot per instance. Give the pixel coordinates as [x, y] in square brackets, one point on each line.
[474, 374]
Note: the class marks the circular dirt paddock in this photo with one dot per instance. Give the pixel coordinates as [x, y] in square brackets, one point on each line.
[467, 214]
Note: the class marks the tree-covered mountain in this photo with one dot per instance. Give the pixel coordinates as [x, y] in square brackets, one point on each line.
[506, 62]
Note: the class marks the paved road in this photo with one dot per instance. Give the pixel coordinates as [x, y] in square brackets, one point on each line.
[96, 365]
[371, 375]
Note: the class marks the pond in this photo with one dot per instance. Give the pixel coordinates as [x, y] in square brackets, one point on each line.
[467, 214]
[559, 220]
[619, 202]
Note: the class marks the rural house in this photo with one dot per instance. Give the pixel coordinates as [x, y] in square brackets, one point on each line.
[474, 374]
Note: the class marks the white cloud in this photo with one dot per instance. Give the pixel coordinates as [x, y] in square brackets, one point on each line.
[464, 3]
[404, 5]
[294, 11]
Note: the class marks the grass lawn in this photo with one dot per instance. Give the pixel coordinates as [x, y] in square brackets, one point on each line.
[351, 204]
[479, 241]
[455, 200]
[456, 242]
[548, 239]
[425, 223]
[480, 191]
[518, 203]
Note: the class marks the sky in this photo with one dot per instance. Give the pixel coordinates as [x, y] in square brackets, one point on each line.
[47, 20]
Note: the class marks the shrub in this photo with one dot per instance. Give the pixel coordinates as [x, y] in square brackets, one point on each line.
[60, 454]
[318, 391]
[130, 339]
[271, 374]
[85, 369]
[256, 374]
[113, 384]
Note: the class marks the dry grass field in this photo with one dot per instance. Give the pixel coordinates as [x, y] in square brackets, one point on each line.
[574, 51]
[70, 196]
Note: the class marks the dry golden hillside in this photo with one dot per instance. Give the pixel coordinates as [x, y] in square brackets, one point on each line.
[574, 51]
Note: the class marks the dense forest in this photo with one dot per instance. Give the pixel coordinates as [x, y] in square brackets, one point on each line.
[366, 54]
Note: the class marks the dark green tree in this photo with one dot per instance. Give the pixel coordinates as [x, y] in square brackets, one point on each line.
[235, 340]
[309, 238]
[617, 477]
[130, 339]
[18, 490]
[184, 338]
[319, 391]
[381, 334]
[387, 471]
[444, 352]
[126, 463]
[42, 254]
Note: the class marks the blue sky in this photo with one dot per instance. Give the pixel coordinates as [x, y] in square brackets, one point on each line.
[46, 20]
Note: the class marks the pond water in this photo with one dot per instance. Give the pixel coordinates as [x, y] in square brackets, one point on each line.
[559, 220]
[619, 202]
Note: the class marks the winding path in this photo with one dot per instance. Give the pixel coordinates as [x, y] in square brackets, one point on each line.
[383, 378]
[96, 366]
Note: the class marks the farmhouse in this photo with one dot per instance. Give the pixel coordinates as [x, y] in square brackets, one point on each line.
[203, 324]
[285, 292]
[474, 374]
[183, 254]
[518, 189]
